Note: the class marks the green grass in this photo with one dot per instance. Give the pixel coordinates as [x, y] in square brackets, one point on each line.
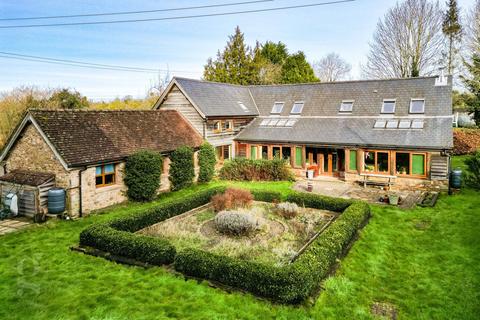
[425, 261]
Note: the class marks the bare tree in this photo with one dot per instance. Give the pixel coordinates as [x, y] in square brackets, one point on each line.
[407, 42]
[473, 29]
[332, 68]
[159, 84]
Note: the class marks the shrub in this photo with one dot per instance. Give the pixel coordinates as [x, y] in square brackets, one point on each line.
[232, 199]
[182, 169]
[142, 175]
[316, 201]
[241, 169]
[117, 237]
[472, 176]
[287, 210]
[266, 196]
[206, 162]
[235, 223]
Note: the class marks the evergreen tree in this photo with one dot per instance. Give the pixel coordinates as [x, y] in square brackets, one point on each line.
[473, 84]
[234, 64]
[452, 30]
[296, 69]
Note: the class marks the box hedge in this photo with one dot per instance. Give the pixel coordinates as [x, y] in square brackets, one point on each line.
[292, 283]
[241, 169]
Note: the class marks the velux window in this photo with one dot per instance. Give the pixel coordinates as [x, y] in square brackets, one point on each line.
[105, 175]
[417, 106]
[346, 106]
[388, 106]
[297, 108]
[277, 107]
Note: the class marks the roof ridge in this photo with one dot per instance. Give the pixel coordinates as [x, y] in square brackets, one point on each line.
[95, 110]
[213, 82]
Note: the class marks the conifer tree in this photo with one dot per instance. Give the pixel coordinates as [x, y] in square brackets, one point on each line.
[452, 30]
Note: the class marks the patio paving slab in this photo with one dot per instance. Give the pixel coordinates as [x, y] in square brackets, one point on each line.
[14, 224]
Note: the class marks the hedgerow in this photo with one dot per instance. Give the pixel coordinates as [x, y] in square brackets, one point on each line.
[241, 169]
[142, 175]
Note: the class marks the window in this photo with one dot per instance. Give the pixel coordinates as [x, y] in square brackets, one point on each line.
[298, 156]
[346, 106]
[228, 125]
[417, 124]
[290, 123]
[380, 124]
[410, 164]
[244, 108]
[217, 126]
[253, 152]
[353, 160]
[377, 161]
[286, 153]
[388, 106]
[273, 122]
[402, 163]
[281, 123]
[105, 175]
[223, 152]
[264, 152]
[277, 107]
[392, 124]
[417, 106]
[265, 122]
[404, 124]
[276, 152]
[297, 108]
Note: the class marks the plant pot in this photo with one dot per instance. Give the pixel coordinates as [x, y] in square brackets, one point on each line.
[393, 200]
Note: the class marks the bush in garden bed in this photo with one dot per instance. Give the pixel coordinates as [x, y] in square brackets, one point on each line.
[142, 175]
[117, 237]
[232, 198]
[290, 284]
[312, 200]
[241, 169]
[206, 162]
[182, 168]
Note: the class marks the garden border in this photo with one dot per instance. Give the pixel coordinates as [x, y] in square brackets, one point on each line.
[288, 284]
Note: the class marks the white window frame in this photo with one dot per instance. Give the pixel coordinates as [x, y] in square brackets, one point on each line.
[420, 122]
[276, 103]
[411, 103]
[301, 103]
[379, 121]
[242, 105]
[351, 102]
[394, 106]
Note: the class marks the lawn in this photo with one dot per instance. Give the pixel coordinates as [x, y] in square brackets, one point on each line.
[425, 262]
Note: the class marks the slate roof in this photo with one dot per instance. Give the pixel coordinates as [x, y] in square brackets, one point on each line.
[218, 99]
[322, 123]
[29, 178]
[88, 137]
[436, 134]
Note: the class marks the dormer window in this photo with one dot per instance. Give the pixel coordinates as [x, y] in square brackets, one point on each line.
[228, 125]
[417, 106]
[388, 106]
[297, 107]
[346, 106]
[277, 107]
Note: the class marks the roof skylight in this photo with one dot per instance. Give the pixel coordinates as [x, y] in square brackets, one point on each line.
[417, 106]
[380, 124]
[346, 106]
[404, 124]
[417, 124]
[297, 107]
[244, 108]
[277, 122]
[388, 106]
[392, 124]
[277, 107]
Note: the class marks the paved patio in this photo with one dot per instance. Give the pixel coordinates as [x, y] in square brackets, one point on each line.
[336, 188]
[14, 224]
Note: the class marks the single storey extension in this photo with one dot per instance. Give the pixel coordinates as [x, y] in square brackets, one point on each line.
[395, 129]
[85, 151]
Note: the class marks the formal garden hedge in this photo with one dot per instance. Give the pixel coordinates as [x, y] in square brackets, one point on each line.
[292, 283]
[142, 175]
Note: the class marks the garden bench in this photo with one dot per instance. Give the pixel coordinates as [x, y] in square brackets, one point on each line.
[367, 179]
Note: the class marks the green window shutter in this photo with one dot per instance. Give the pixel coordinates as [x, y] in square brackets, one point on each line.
[418, 164]
[253, 152]
[353, 160]
[298, 156]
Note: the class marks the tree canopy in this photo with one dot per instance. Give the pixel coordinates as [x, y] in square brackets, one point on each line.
[267, 63]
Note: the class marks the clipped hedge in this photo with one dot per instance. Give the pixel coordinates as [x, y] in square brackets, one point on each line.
[292, 283]
[142, 175]
[316, 201]
[241, 169]
[206, 162]
[117, 237]
[182, 170]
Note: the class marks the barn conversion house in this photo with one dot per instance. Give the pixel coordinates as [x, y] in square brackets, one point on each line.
[84, 152]
[396, 129]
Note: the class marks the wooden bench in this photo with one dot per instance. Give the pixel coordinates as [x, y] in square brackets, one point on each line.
[367, 179]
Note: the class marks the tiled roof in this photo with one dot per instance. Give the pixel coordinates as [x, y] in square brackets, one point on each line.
[29, 178]
[87, 137]
[349, 131]
[218, 99]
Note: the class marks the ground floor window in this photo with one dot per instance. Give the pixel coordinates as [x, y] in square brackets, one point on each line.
[105, 175]
[377, 161]
[409, 163]
[298, 156]
[264, 152]
[352, 164]
[286, 153]
[223, 152]
[253, 152]
[276, 152]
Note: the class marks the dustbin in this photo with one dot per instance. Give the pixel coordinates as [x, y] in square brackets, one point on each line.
[310, 174]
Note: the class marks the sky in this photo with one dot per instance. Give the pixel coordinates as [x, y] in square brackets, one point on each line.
[181, 46]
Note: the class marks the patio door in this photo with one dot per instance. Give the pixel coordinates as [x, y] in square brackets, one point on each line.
[330, 163]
